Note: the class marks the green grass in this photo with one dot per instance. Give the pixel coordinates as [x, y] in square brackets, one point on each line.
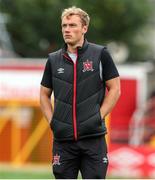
[25, 172]
[19, 174]
[25, 175]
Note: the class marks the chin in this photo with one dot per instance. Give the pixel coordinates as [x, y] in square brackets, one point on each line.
[69, 42]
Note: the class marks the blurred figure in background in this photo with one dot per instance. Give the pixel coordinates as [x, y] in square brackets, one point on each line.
[143, 123]
[6, 48]
[78, 75]
[149, 119]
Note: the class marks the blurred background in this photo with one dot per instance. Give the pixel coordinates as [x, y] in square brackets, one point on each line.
[29, 30]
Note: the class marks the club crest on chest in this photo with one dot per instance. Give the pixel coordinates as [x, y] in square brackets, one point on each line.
[88, 66]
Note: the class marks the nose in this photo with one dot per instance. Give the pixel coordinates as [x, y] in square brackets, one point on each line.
[67, 29]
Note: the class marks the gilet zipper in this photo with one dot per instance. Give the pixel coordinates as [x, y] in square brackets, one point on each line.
[74, 94]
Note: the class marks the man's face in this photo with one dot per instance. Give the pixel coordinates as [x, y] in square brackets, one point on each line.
[72, 29]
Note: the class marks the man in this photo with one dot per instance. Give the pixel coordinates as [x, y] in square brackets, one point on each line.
[78, 75]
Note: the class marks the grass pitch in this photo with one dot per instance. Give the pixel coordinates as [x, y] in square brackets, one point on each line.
[26, 172]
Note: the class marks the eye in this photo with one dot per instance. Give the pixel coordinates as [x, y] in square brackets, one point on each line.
[64, 25]
[73, 25]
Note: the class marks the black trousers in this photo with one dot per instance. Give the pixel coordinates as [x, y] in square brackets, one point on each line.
[89, 156]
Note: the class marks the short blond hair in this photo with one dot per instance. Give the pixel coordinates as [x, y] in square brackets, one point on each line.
[76, 11]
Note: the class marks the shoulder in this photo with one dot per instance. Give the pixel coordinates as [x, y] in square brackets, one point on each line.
[98, 49]
[97, 46]
[54, 55]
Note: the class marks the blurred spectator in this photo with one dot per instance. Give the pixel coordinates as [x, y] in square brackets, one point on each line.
[149, 118]
[6, 48]
[142, 128]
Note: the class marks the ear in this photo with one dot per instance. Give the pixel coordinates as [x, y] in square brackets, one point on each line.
[85, 28]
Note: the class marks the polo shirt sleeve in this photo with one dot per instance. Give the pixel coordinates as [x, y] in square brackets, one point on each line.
[109, 70]
[47, 75]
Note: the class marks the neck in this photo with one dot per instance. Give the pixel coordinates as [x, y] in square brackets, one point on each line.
[72, 48]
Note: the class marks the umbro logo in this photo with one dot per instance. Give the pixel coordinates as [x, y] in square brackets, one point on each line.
[60, 70]
[105, 160]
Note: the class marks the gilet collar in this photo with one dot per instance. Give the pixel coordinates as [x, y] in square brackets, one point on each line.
[80, 49]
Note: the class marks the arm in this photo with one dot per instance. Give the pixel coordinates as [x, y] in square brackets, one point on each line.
[113, 86]
[45, 102]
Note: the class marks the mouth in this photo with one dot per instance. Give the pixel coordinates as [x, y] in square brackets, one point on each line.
[67, 36]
